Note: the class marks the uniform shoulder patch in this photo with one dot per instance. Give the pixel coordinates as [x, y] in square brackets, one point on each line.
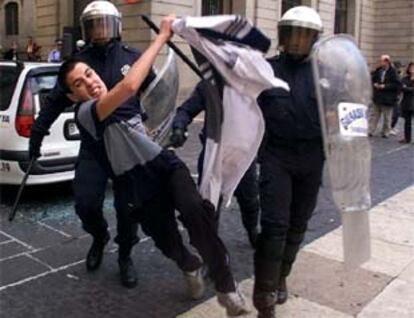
[125, 69]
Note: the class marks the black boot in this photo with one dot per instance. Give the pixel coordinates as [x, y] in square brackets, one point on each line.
[294, 239]
[129, 276]
[267, 264]
[282, 291]
[269, 312]
[265, 303]
[95, 253]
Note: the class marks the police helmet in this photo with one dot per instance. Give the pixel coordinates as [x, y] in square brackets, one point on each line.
[100, 21]
[80, 44]
[298, 30]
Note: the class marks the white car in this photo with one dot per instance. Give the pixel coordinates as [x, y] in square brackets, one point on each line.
[23, 88]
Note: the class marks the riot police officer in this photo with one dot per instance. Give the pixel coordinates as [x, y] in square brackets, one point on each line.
[247, 192]
[291, 159]
[111, 59]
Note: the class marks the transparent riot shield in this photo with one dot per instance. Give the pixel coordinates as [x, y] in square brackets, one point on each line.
[343, 88]
[158, 100]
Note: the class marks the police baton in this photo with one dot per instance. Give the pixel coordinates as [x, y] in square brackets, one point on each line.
[185, 59]
[19, 193]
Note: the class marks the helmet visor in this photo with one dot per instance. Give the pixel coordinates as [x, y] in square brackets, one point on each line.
[100, 29]
[296, 41]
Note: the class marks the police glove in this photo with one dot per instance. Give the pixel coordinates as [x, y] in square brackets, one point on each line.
[178, 137]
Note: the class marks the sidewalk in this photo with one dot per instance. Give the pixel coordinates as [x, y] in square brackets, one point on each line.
[319, 287]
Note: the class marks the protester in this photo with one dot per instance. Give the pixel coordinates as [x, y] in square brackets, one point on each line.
[396, 110]
[386, 83]
[247, 192]
[110, 59]
[146, 176]
[407, 103]
[55, 55]
[291, 159]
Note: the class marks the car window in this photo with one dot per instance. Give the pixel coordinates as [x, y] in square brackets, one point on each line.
[8, 80]
[43, 82]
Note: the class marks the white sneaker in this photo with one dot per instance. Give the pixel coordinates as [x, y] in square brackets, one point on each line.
[394, 132]
[195, 283]
[234, 302]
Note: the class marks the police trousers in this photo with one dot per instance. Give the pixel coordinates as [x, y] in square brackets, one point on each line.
[247, 195]
[289, 184]
[89, 188]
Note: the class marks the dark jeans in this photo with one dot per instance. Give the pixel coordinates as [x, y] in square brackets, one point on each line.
[157, 219]
[395, 115]
[89, 188]
[197, 216]
[408, 117]
[289, 183]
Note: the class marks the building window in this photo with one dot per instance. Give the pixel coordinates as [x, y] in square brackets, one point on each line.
[287, 4]
[341, 16]
[12, 18]
[212, 7]
[345, 16]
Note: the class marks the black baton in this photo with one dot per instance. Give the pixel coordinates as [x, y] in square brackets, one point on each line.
[185, 59]
[19, 193]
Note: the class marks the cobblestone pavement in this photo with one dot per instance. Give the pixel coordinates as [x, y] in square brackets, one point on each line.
[42, 270]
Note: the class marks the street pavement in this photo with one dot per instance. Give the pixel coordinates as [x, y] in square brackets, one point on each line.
[42, 269]
[320, 286]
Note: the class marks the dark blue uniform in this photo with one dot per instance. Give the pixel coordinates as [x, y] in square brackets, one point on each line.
[247, 192]
[291, 161]
[109, 62]
[91, 175]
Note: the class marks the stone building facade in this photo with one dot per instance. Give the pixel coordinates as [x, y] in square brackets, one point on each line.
[379, 26]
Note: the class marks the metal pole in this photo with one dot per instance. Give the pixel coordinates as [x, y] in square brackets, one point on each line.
[19, 193]
[185, 59]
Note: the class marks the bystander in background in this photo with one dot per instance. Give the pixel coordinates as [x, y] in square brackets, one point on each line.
[407, 103]
[386, 84]
[32, 50]
[11, 53]
[396, 110]
[55, 55]
[80, 45]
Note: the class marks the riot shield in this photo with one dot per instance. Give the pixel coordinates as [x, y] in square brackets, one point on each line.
[158, 100]
[343, 89]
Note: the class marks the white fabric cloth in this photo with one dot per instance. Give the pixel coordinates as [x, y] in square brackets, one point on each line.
[246, 74]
